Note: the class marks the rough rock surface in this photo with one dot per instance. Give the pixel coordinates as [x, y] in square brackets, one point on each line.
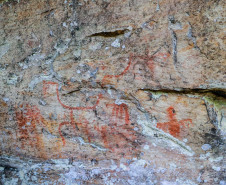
[112, 92]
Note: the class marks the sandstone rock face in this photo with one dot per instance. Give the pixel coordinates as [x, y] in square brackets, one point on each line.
[112, 92]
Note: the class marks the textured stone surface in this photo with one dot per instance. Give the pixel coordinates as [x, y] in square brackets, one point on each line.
[112, 92]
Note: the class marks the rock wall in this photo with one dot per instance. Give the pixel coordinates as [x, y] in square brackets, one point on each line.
[112, 92]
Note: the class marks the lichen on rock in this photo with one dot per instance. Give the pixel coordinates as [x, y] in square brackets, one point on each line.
[112, 92]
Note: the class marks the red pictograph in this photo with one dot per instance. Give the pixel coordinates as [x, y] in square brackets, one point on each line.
[47, 84]
[28, 118]
[72, 122]
[174, 126]
[107, 78]
[119, 113]
[118, 135]
[147, 61]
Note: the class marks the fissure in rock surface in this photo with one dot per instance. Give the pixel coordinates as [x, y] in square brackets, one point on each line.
[112, 92]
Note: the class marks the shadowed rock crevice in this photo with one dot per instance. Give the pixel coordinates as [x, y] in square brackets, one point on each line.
[109, 33]
[221, 93]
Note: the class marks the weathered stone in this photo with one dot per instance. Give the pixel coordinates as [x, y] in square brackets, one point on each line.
[112, 92]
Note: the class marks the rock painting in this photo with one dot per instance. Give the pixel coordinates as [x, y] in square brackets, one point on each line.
[173, 126]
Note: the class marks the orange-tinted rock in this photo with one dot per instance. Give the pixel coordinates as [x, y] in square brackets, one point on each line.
[112, 92]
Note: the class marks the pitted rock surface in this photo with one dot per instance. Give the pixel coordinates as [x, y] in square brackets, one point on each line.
[112, 92]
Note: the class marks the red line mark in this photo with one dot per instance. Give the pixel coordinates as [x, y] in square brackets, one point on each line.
[118, 135]
[124, 71]
[84, 126]
[118, 138]
[27, 119]
[121, 74]
[174, 126]
[149, 62]
[72, 122]
[21, 121]
[105, 134]
[46, 86]
[127, 120]
[69, 107]
[59, 129]
[119, 112]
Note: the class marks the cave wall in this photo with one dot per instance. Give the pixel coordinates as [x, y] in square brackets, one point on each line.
[112, 92]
